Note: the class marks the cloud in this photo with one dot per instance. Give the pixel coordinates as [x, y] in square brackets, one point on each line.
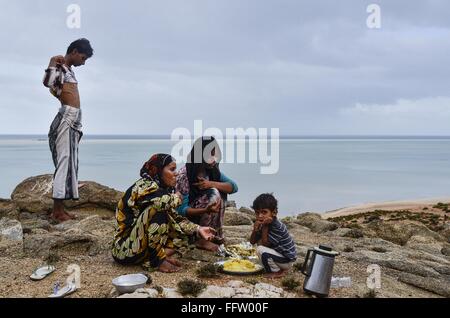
[289, 64]
[426, 115]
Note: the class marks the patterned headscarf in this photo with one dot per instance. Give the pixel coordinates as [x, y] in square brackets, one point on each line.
[152, 169]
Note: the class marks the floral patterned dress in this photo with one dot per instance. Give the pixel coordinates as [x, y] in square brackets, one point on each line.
[147, 224]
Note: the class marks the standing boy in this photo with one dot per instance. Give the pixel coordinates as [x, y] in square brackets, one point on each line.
[65, 130]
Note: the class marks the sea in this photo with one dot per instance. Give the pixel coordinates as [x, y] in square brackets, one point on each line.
[309, 173]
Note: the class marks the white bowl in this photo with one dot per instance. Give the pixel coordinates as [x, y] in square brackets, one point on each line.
[129, 283]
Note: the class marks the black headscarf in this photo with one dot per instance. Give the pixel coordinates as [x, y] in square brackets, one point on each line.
[153, 168]
[196, 164]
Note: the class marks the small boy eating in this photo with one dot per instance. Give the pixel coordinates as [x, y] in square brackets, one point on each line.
[276, 248]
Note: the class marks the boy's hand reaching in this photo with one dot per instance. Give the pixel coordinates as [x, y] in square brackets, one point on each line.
[57, 60]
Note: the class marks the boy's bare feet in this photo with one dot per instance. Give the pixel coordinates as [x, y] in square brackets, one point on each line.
[167, 267]
[278, 274]
[70, 216]
[59, 216]
[207, 245]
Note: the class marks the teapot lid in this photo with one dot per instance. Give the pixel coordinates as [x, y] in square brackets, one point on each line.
[326, 250]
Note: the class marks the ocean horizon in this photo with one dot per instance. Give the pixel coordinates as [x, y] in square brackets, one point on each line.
[316, 173]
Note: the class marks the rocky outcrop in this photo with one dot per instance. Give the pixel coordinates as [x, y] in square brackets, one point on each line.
[237, 234]
[315, 222]
[414, 257]
[233, 217]
[35, 195]
[89, 236]
[434, 285]
[400, 232]
[248, 212]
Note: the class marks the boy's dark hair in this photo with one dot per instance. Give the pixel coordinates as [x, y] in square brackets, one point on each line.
[265, 201]
[83, 46]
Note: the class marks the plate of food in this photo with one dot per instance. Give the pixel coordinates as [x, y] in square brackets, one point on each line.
[240, 267]
[240, 251]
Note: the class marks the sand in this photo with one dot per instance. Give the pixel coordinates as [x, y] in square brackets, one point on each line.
[411, 205]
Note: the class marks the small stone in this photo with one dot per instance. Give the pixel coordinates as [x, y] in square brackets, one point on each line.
[235, 283]
[133, 295]
[263, 290]
[171, 293]
[212, 291]
[11, 230]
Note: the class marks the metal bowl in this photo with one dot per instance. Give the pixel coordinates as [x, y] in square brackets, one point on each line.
[129, 283]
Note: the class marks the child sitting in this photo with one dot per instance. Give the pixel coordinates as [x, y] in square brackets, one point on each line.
[276, 248]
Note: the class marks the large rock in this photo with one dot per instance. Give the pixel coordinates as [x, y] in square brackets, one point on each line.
[35, 195]
[315, 222]
[249, 212]
[237, 234]
[426, 244]
[434, 285]
[234, 217]
[400, 232]
[91, 236]
[397, 260]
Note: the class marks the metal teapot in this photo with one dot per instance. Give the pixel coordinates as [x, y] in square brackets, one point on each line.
[319, 270]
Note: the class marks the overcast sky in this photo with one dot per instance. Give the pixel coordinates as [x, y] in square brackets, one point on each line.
[306, 67]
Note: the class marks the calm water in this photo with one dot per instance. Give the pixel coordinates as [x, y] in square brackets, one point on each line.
[314, 174]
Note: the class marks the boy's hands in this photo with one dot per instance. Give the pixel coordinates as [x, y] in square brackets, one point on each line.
[259, 224]
[57, 60]
[268, 220]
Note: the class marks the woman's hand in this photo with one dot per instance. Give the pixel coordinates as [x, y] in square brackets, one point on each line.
[213, 207]
[179, 195]
[203, 184]
[207, 233]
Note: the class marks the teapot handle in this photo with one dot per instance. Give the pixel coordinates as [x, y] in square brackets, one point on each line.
[305, 263]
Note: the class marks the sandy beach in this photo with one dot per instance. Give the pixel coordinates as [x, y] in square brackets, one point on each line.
[410, 205]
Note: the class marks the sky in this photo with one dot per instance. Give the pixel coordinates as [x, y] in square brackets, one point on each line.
[305, 67]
